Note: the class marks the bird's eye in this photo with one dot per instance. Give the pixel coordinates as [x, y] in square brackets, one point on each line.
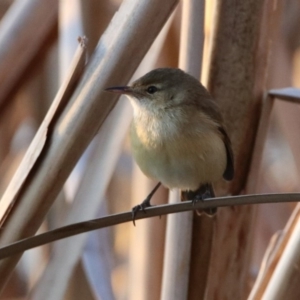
[151, 89]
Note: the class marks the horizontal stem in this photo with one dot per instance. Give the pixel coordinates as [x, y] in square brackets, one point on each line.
[153, 211]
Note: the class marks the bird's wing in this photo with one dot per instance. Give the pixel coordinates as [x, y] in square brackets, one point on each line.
[210, 107]
[229, 171]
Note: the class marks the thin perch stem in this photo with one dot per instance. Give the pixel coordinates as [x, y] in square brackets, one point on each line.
[153, 211]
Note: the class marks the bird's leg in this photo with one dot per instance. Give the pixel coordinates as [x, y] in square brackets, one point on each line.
[144, 204]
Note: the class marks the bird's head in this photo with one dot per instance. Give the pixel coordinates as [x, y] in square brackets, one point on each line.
[159, 90]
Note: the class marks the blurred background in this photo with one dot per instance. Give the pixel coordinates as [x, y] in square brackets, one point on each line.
[126, 262]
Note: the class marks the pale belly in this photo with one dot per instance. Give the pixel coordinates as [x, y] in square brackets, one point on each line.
[183, 163]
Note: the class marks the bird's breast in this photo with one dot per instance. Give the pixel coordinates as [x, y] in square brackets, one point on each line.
[179, 157]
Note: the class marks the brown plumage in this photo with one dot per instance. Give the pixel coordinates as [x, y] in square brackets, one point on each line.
[177, 133]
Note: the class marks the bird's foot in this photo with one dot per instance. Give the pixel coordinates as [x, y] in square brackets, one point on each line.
[204, 192]
[140, 207]
[144, 204]
[201, 197]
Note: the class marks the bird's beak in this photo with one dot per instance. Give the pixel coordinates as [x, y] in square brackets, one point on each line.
[120, 89]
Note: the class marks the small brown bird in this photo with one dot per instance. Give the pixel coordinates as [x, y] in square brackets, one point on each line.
[177, 134]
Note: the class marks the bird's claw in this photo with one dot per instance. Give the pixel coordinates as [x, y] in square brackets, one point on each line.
[140, 207]
[201, 197]
[209, 212]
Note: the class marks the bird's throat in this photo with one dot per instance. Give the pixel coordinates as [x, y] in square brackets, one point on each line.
[153, 130]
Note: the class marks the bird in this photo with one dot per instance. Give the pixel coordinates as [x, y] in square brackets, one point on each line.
[177, 134]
